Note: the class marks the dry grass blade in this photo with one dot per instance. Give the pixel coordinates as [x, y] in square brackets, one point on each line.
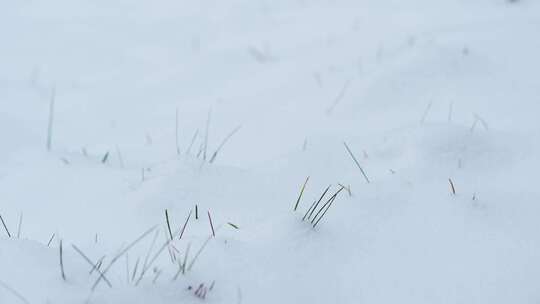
[5, 226]
[51, 120]
[339, 97]
[14, 292]
[225, 140]
[301, 193]
[176, 134]
[233, 225]
[19, 226]
[452, 188]
[348, 188]
[198, 253]
[182, 265]
[94, 265]
[62, 262]
[211, 224]
[356, 161]
[426, 112]
[50, 240]
[97, 265]
[105, 158]
[168, 223]
[185, 225]
[205, 150]
[192, 141]
[135, 270]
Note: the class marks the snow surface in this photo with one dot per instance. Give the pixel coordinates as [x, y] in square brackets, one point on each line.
[423, 92]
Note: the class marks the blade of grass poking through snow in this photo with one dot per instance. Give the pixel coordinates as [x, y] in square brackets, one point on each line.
[14, 292]
[19, 226]
[150, 249]
[339, 97]
[105, 158]
[211, 224]
[51, 119]
[329, 201]
[97, 265]
[135, 270]
[176, 134]
[328, 204]
[356, 162]
[225, 140]
[127, 267]
[182, 265]
[196, 212]
[348, 188]
[120, 158]
[62, 262]
[119, 255]
[205, 150]
[94, 265]
[426, 112]
[50, 240]
[452, 188]
[233, 225]
[301, 193]
[319, 201]
[168, 223]
[185, 225]
[154, 258]
[192, 141]
[198, 253]
[5, 226]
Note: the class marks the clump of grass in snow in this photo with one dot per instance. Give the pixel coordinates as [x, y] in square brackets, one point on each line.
[119, 255]
[310, 211]
[328, 204]
[321, 212]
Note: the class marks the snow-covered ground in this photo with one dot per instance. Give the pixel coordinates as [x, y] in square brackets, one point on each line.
[425, 94]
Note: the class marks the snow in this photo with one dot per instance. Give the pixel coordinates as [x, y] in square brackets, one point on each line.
[422, 92]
